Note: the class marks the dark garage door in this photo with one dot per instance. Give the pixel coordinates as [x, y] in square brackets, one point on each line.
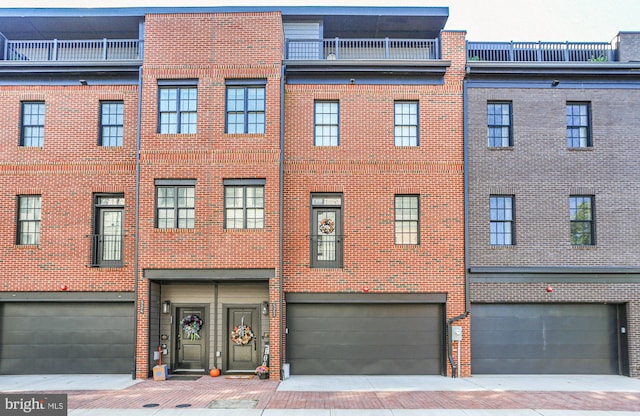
[544, 339]
[66, 338]
[365, 338]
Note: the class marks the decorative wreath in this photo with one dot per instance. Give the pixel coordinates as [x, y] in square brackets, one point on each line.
[191, 325]
[327, 226]
[242, 334]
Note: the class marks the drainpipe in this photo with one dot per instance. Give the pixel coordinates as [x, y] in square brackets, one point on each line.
[467, 297]
[281, 220]
[137, 223]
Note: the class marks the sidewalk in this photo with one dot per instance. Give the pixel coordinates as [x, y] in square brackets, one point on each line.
[107, 395]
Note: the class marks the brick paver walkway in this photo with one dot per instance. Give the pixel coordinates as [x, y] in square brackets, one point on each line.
[262, 394]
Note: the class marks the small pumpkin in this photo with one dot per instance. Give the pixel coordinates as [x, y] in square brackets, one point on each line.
[215, 372]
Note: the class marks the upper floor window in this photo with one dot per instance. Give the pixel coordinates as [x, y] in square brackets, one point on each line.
[578, 125]
[32, 128]
[407, 219]
[175, 203]
[177, 107]
[406, 123]
[246, 103]
[29, 208]
[327, 127]
[499, 124]
[581, 215]
[326, 230]
[501, 220]
[111, 123]
[244, 203]
[108, 230]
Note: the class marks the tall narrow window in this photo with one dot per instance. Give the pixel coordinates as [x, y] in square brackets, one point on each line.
[108, 230]
[326, 231]
[32, 134]
[501, 220]
[407, 219]
[175, 203]
[581, 215]
[327, 127]
[178, 109]
[29, 207]
[246, 107]
[111, 123]
[244, 203]
[406, 123]
[578, 125]
[499, 124]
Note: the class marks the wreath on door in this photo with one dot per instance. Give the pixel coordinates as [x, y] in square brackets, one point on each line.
[242, 334]
[191, 325]
[326, 226]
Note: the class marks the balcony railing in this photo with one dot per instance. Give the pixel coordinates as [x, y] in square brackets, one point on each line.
[71, 50]
[106, 250]
[539, 52]
[361, 49]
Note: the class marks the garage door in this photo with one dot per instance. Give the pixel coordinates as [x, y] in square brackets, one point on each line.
[544, 339]
[66, 338]
[365, 338]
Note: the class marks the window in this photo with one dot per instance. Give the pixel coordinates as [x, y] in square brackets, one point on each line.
[244, 203]
[246, 107]
[111, 123]
[175, 203]
[29, 207]
[327, 127]
[501, 220]
[32, 134]
[108, 230]
[407, 219]
[578, 125]
[178, 109]
[326, 230]
[499, 124]
[406, 123]
[581, 212]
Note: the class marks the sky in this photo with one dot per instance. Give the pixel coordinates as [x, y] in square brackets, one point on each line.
[484, 20]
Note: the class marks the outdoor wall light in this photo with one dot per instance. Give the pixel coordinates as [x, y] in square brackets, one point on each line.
[83, 82]
[265, 308]
[555, 83]
[166, 306]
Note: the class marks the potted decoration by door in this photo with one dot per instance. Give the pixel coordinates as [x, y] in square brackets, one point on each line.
[262, 371]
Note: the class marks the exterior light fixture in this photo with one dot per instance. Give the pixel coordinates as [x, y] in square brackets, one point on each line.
[555, 83]
[166, 306]
[265, 308]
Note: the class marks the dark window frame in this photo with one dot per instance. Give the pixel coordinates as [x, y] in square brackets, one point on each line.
[320, 124]
[108, 140]
[403, 221]
[400, 124]
[244, 185]
[330, 202]
[578, 123]
[582, 230]
[494, 125]
[176, 185]
[502, 216]
[27, 125]
[246, 86]
[181, 87]
[36, 221]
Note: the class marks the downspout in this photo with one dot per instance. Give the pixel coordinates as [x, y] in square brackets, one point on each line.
[467, 297]
[281, 220]
[137, 223]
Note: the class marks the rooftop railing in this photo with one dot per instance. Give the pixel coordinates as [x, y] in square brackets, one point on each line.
[540, 52]
[361, 49]
[72, 50]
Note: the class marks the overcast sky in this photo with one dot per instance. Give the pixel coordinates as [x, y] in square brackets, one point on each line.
[484, 20]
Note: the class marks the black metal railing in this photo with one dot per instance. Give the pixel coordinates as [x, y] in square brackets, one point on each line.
[540, 51]
[107, 250]
[361, 49]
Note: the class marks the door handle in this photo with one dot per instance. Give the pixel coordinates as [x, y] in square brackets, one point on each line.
[178, 342]
[255, 344]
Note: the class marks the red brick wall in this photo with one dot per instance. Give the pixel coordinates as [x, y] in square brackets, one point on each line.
[66, 172]
[241, 51]
[369, 171]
